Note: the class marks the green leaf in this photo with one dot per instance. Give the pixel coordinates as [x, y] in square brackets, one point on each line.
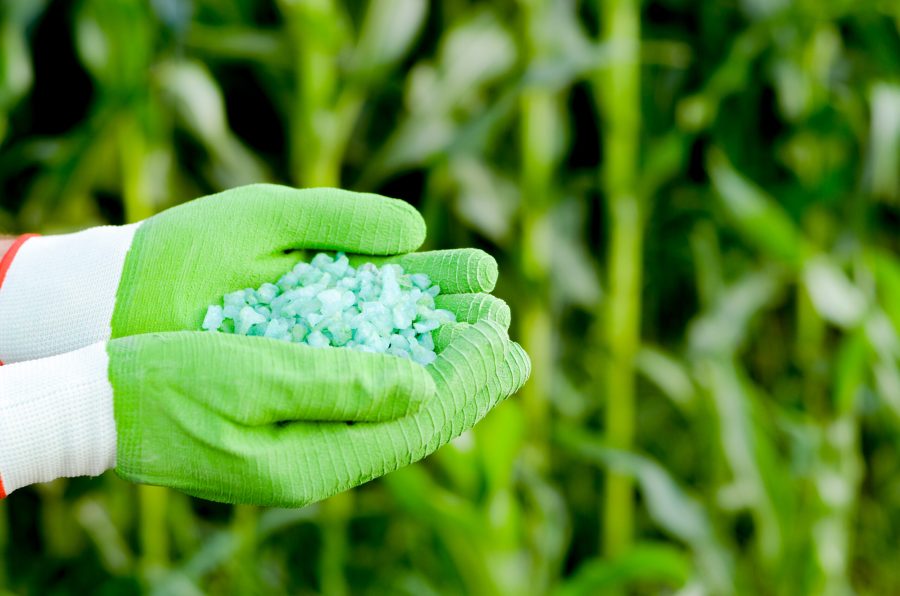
[645, 562]
[388, 30]
[676, 511]
[834, 296]
[884, 152]
[196, 98]
[750, 456]
[756, 215]
[724, 327]
[16, 75]
[668, 374]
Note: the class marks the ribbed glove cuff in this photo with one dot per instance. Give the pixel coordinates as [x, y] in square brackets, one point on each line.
[59, 292]
[56, 418]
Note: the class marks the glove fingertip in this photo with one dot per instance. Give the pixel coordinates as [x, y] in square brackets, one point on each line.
[482, 270]
[501, 313]
[411, 227]
[471, 308]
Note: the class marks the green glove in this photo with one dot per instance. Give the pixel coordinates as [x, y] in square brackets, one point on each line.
[276, 440]
[311, 456]
[181, 397]
[65, 292]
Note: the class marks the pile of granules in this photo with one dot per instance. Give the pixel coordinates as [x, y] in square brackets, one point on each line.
[329, 303]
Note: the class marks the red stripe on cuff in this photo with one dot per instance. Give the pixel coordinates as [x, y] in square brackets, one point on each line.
[5, 263]
[7, 259]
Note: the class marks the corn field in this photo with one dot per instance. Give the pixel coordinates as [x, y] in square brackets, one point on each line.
[696, 211]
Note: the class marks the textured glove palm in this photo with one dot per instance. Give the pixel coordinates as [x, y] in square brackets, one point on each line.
[246, 420]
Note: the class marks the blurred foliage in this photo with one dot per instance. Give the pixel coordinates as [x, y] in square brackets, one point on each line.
[695, 209]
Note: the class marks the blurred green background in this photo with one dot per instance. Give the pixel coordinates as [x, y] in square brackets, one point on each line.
[695, 207]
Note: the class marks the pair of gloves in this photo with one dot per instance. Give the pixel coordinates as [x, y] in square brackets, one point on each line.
[106, 367]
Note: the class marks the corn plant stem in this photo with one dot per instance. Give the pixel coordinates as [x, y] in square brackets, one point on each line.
[243, 568]
[132, 149]
[840, 455]
[154, 539]
[538, 130]
[846, 447]
[809, 353]
[618, 92]
[60, 533]
[322, 114]
[541, 129]
[314, 80]
[536, 326]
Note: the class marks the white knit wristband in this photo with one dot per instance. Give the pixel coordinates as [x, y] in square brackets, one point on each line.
[59, 292]
[56, 418]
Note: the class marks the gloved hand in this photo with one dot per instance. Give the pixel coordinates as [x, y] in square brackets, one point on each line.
[64, 292]
[246, 419]
[161, 275]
